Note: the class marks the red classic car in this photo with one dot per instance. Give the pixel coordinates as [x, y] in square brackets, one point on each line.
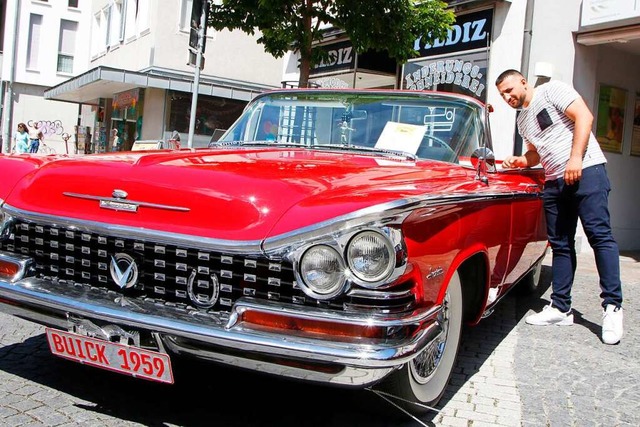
[335, 236]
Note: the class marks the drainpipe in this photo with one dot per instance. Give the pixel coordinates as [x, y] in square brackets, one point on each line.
[7, 111]
[524, 67]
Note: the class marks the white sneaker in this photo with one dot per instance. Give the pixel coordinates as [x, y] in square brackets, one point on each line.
[550, 316]
[612, 324]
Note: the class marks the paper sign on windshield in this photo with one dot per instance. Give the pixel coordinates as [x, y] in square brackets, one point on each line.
[401, 137]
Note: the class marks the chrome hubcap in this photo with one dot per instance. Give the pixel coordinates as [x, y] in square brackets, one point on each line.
[424, 366]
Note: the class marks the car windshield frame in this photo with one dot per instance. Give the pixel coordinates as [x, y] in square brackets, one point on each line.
[421, 125]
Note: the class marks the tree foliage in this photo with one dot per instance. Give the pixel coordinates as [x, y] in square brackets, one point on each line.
[296, 25]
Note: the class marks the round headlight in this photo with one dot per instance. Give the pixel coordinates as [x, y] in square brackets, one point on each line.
[371, 256]
[322, 272]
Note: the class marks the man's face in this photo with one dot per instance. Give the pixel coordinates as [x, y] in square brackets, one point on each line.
[513, 90]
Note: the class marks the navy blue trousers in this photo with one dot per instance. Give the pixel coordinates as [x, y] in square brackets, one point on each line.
[563, 205]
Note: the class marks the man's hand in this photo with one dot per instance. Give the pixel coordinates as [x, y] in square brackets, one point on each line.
[514, 162]
[573, 171]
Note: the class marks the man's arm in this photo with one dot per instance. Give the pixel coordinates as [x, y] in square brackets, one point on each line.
[583, 120]
[528, 159]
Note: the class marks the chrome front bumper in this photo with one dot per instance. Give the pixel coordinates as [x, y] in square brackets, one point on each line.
[224, 338]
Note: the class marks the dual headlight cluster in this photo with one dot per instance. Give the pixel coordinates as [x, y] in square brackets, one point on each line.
[367, 258]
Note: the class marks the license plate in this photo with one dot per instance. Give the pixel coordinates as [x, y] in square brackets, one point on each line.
[133, 361]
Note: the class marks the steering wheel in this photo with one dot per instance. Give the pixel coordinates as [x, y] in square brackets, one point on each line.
[440, 151]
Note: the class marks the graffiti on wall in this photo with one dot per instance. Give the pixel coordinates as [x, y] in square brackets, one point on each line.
[48, 127]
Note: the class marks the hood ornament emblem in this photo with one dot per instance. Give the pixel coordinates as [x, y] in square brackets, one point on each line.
[119, 194]
[124, 270]
[118, 202]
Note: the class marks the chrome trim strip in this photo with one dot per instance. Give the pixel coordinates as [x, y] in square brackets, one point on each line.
[109, 200]
[349, 376]
[379, 294]
[50, 302]
[394, 213]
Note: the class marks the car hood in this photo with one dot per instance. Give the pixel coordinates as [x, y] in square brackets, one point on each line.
[239, 194]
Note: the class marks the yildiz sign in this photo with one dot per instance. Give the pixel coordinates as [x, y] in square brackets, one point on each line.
[462, 71]
[471, 31]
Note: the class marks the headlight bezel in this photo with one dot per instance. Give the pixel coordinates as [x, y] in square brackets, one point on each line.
[360, 277]
[312, 290]
[340, 243]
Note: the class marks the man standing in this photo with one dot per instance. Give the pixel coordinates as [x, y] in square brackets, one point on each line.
[556, 125]
[35, 135]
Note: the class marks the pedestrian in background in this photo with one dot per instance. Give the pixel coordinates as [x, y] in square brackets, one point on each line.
[175, 137]
[116, 141]
[35, 135]
[556, 125]
[21, 139]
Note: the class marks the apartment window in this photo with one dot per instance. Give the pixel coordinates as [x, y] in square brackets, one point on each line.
[143, 11]
[73, 3]
[3, 12]
[185, 15]
[116, 23]
[67, 46]
[35, 26]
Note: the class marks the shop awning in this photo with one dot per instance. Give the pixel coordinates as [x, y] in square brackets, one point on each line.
[103, 82]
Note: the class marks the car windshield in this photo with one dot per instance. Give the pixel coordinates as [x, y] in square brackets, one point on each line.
[425, 125]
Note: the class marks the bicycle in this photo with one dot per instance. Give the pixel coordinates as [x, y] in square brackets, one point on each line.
[45, 149]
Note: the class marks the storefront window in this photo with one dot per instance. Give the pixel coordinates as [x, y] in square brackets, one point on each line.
[212, 113]
[464, 73]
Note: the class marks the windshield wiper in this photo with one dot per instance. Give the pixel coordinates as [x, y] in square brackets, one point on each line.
[384, 151]
[263, 143]
[336, 147]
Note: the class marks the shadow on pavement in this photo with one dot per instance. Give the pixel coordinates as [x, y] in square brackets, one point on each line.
[206, 394]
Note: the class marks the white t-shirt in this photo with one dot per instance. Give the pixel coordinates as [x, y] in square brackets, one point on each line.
[544, 125]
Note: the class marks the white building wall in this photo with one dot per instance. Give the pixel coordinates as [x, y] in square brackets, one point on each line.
[506, 53]
[554, 26]
[55, 118]
[553, 42]
[622, 168]
[165, 44]
[154, 114]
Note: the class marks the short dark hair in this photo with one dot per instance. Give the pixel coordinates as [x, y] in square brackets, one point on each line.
[508, 73]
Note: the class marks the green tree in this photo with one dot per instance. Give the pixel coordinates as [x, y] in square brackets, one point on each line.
[382, 25]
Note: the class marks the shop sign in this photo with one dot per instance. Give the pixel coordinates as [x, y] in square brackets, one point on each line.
[603, 11]
[341, 56]
[470, 31]
[126, 99]
[464, 74]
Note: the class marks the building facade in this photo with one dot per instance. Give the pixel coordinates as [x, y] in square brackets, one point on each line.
[43, 44]
[136, 79]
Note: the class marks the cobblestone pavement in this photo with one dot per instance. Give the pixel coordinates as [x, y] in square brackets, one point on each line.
[514, 374]
[508, 374]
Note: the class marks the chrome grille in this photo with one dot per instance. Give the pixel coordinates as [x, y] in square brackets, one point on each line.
[165, 270]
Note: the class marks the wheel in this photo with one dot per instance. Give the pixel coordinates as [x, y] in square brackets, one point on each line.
[425, 378]
[530, 283]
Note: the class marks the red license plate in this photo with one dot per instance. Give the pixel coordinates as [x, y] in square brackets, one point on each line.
[117, 357]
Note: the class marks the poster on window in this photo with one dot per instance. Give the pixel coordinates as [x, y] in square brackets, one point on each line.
[610, 122]
[635, 139]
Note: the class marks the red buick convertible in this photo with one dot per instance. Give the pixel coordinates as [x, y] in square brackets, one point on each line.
[334, 236]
